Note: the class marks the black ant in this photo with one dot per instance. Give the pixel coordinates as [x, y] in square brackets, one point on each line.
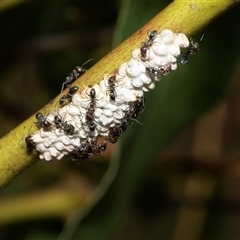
[143, 50]
[153, 73]
[111, 85]
[152, 35]
[29, 142]
[156, 73]
[58, 121]
[91, 109]
[74, 75]
[135, 108]
[146, 45]
[113, 134]
[139, 104]
[43, 122]
[84, 151]
[66, 127]
[132, 113]
[97, 149]
[164, 70]
[190, 51]
[65, 99]
[93, 100]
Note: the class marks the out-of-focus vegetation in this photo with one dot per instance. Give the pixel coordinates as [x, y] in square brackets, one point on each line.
[179, 172]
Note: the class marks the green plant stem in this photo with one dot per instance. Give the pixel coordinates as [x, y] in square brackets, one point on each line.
[183, 16]
[53, 201]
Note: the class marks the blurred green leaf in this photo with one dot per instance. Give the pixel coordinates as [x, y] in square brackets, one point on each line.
[131, 17]
[5, 5]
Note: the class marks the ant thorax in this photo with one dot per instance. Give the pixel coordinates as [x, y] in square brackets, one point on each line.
[67, 98]
[74, 75]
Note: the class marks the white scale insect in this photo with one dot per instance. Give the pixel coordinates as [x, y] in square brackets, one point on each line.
[154, 58]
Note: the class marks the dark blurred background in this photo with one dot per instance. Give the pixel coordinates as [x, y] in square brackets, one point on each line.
[177, 176]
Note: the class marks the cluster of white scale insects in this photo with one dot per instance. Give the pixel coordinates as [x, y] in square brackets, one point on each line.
[86, 121]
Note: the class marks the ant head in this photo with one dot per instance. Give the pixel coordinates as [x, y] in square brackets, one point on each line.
[92, 93]
[152, 35]
[73, 90]
[39, 116]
